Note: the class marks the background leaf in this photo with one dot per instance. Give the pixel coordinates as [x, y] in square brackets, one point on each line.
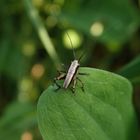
[11, 58]
[118, 18]
[18, 118]
[100, 113]
[132, 71]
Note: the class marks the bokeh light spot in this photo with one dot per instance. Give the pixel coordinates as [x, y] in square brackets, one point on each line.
[61, 2]
[97, 29]
[28, 49]
[114, 47]
[37, 71]
[25, 86]
[76, 39]
[51, 21]
[53, 9]
[27, 136]
[38, 3]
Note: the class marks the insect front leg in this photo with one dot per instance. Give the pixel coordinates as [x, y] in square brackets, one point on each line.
[58, 86]
[60, 77]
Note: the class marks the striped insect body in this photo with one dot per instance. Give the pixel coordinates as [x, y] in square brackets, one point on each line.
[71, 75]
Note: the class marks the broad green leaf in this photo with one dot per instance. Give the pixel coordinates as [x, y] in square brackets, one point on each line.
[103, 112]
[132, 71]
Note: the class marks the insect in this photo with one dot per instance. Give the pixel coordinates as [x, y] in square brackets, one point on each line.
[70, 76]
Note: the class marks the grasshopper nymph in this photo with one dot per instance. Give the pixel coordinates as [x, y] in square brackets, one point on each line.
[71, 75]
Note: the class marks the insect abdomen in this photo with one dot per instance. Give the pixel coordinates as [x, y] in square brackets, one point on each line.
[71, 73]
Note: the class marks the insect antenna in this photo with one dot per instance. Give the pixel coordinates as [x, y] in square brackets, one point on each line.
[81, 56]
[71, 45]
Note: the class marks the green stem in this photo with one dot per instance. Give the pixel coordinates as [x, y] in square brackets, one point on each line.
[42, 32]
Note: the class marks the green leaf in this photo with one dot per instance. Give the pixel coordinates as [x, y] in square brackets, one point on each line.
[132, 71]
[103, 112]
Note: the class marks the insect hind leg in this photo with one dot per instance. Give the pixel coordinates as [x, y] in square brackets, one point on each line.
[74, 85]
[82, 84]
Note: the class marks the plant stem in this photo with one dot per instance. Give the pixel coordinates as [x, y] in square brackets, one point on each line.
[42, 32]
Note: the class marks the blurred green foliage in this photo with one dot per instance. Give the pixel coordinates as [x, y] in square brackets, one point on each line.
[32, 47]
